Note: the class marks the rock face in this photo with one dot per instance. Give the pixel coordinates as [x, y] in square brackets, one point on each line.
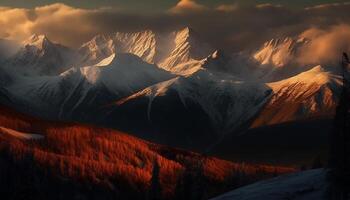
[311, 94]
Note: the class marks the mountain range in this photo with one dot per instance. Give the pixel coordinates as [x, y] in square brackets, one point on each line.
[172, 88]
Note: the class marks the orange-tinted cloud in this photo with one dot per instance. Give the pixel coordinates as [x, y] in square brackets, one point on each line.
[188, 6]
[227, 7]
[60, 22]
[326, 45]
[228, 27]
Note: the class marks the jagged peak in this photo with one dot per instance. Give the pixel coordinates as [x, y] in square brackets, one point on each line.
[279, 52]
[275, 42]
[98, 40]
[100, 37]
[145, 33]
[37, 40]
[186, 32]
[278, 41]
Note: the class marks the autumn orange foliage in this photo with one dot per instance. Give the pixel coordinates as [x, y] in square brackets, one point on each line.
[115, 160]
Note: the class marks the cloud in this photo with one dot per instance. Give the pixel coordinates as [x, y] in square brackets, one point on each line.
[61, 22]
[188, 6]
[227, 7]
[327, 6]
[229, 27]
[268, 5]
[326, 45]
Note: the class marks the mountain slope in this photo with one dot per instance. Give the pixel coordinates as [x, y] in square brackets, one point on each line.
[87, 87]
[279, 52]
[93, 163]
[311, 94]
[277, 59]
[203, 106]
[97, 49]
[39, 56]
[187, 49]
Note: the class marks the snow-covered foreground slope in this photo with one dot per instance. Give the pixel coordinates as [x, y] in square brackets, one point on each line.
[307, 185]
[311, 94]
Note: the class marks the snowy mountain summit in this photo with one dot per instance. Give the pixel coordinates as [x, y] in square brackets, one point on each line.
[279, 52]
[178, 52]
[310, 94]
[38, 55]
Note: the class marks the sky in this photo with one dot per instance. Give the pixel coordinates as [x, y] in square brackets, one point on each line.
[157, 5]
[225, 24]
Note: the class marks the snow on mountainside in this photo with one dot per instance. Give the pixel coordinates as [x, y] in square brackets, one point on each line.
[117, 76]
[143, 44]
[97, 49]
[212, 88]
[178, 52]
[227, 102]
[279, 52]
[124, 72]
[39, 56]
[310, 94]
[305, 185]
[187, 49]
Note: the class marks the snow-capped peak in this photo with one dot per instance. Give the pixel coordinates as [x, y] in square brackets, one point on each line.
[100, 47]
[310, 94]
[176, 51]
[37, 40]
[279, 52]
[186, 53]
[39, 56]
[185, 33]
[142, 44]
